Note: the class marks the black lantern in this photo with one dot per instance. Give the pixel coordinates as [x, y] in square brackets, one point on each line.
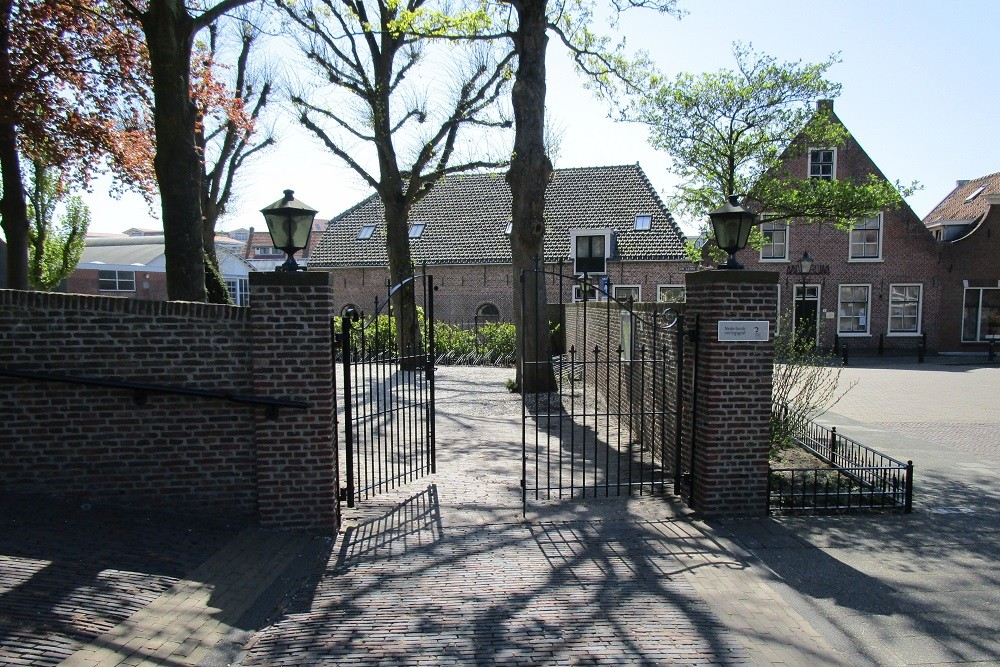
[731, 225]
[289, 221]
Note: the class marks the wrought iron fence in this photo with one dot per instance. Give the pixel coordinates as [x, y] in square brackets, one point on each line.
[856, 478]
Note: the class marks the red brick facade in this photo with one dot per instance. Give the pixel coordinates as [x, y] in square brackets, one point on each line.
[148, 284]
[464, 289]
[907, 255]
[731, 397]
[166, 451]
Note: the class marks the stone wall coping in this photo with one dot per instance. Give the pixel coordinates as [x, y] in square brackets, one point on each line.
[291, 278]
[719, 276]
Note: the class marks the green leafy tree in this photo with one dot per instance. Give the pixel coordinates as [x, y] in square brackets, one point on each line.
[54, 244]
[731, 132]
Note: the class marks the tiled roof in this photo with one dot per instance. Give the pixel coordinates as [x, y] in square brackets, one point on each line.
[962, 205]
[263, 240]
[465, 218]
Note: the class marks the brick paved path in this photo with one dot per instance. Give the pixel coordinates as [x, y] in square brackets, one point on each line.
[447, 571]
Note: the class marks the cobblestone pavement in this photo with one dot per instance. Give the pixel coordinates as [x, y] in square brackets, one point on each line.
[82, 586]
[447, 571]
[914, 589]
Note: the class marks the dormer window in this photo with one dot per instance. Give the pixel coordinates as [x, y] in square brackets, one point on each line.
[975, 194]
[590, 249]
[366, 232]
[822, 163]
[643, 223]
[416, 229]
[510, 226]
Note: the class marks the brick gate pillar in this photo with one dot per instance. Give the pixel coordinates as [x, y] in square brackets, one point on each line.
[734, 369]
[297, 473]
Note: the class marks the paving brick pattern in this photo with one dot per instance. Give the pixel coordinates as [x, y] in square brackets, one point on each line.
[68, 574]
[445, 570]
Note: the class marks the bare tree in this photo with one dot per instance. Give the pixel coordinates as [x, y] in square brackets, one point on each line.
[169, 27]
[232, 129]
[408, 98]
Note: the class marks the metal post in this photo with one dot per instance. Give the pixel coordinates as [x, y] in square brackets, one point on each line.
[833, 445]
[909, 487]
[679, 405]
[431, 410]
[345, 333]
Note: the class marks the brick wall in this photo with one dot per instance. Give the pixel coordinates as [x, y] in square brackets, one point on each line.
[463, 289]
[96, 443]
[186, 453]
[292, 336]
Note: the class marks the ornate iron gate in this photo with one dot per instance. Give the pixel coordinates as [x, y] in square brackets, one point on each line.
[610, 422]
[388, 396]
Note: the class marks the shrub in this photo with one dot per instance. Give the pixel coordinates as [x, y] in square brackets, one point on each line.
[806, 385]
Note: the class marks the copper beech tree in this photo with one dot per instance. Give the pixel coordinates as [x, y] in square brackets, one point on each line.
[72, 98]
[169, 28]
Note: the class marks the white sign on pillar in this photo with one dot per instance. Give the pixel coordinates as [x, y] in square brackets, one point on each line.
[744, 330]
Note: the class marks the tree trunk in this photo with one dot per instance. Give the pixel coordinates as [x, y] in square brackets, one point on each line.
[404, 304]
[215, 283]
[13, 207]
[169, 31]
[528, 176]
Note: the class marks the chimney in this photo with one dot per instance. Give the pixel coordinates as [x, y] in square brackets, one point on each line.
[993, 199]
[824, 105]
[962, 182]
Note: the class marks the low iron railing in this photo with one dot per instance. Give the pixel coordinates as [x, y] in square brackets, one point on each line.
[857, 477]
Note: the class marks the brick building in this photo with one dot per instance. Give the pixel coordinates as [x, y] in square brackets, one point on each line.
[607, 221]
[967, 224]
[874, 287]
[134, 266]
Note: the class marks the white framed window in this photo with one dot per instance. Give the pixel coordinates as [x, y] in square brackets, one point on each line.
[866, 240]
[905, 309]
[416, 229]
[670, 293]
[854, 310]
[116, 281]
[581, 291]
[775, 248]
[590, 249]
[239, 290]
[625, 292]
[643, 222]
[823, 163]
[366, 232]
[981, 314]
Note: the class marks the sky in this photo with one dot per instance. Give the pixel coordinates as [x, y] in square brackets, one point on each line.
[919, 94]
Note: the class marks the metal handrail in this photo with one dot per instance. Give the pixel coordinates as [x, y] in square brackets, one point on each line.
[143, 388]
